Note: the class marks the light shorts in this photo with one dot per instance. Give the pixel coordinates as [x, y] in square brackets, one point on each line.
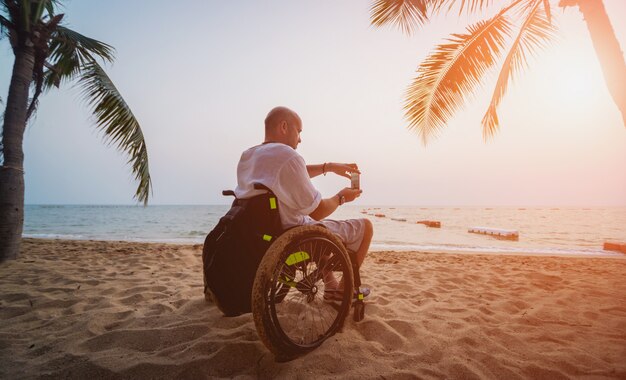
[350, 231]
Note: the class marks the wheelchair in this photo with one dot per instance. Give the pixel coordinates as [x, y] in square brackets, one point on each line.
[293, 311]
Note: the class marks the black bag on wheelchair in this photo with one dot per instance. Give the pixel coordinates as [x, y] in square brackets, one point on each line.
[234, 248]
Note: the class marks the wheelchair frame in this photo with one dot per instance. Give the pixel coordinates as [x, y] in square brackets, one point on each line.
[291, 280]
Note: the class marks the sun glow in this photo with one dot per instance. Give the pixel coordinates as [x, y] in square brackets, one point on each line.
[569, 72]
[570, 79]
[575, 80]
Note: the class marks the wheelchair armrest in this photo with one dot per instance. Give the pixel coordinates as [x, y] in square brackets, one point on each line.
[260, 186]
[257, 186]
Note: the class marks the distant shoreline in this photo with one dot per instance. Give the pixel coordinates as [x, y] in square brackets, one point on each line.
[183, 245]
[541, 231]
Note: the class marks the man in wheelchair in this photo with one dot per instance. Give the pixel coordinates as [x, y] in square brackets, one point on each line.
[276, 164]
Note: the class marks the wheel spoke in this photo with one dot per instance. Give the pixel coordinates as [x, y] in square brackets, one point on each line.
[298, 315]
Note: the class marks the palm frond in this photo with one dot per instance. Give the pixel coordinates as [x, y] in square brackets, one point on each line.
[87, 47]
[26, 10]
[69, 51]
[451, 73]
[13, 10]
[474, 5]
[115, 118]
[50, 7]
[546, 7]
[469, 6]
[33, 11]
[406, 14]
[534, 33]
[41, 44]
[65, 68]
[40, 7]
[12, 22]
[5, 26]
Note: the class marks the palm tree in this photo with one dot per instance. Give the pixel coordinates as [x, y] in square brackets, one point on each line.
[454, 69]
[48, 54]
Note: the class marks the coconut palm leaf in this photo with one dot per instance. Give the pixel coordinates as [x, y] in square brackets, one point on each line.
[86, 46]
[41, 43]
[533, 34]
[67, 52]
[546, 7]
[26, 11]
[410, 14]
[5, 26]
[451, 73]
[469, 6]
[120, 126]
[38, 8]
[406, 14]
[32, 10]
[10, 24]
[474, 5]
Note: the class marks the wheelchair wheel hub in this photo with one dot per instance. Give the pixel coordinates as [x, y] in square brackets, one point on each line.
[310, 295]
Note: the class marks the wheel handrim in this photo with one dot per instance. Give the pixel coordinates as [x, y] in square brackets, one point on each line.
[301, 317]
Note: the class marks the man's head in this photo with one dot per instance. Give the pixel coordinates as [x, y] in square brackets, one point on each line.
[284, 126]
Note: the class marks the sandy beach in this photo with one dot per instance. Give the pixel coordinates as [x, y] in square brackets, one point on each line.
[91, 309]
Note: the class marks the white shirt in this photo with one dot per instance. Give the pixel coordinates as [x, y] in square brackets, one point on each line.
[283, 170]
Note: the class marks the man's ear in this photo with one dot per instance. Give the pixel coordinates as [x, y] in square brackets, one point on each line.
[283, 127]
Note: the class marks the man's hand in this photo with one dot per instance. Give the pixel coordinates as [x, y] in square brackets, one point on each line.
[329, 205]
[350, 194]
[343, 170]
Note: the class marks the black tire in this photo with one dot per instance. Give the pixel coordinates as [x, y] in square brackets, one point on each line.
[290, 312]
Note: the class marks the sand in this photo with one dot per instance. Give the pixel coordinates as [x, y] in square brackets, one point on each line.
[89, 310]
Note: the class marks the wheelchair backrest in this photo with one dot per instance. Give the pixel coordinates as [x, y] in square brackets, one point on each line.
[234, 248]
[261, 214]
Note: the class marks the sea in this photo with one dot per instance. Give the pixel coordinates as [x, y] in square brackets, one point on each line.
[541, 230]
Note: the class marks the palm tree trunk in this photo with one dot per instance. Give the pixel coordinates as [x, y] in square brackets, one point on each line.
[12, 170]
[607, 49]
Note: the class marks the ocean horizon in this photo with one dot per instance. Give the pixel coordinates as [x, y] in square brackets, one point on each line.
[542, 230]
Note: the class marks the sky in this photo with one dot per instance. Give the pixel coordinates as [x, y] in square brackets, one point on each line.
[200, 76]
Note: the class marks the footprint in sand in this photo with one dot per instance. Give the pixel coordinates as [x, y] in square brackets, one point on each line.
[403, 328]
[376, 331]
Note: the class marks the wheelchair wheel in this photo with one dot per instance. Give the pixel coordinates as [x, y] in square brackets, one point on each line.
[292, 312]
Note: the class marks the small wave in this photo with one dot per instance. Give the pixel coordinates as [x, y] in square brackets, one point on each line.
[181, 240]
[55, 236]
[387, 246]
[505, 250]
[197, 233]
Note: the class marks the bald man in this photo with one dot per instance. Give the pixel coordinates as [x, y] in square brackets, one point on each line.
[277, 165]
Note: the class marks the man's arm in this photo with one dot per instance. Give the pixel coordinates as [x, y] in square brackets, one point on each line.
[326, 207]
[343, 170]
[315, 170]
[329, 205]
